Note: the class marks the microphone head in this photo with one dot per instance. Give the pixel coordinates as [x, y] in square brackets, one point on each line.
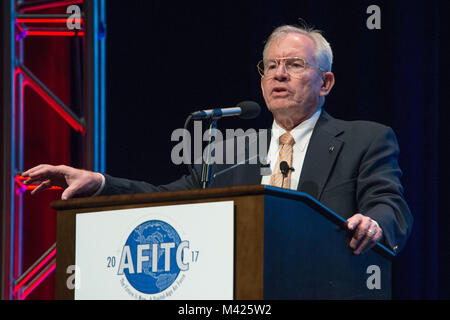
[250, 109]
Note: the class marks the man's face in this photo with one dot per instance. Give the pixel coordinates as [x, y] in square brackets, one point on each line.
[285, 95]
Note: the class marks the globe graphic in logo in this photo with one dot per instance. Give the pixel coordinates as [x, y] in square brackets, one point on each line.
[150, 233]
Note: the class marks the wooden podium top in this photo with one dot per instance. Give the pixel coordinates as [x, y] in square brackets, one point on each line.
[164, 196]
[167, 196]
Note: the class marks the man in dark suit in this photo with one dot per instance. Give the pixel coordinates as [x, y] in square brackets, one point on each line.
[351, 167]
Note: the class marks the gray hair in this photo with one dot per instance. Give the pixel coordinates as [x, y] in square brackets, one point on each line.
[322, 52]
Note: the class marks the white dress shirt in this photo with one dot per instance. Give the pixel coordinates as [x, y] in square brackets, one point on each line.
[301, 134]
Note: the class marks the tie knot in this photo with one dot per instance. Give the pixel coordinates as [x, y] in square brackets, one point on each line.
[286, 138]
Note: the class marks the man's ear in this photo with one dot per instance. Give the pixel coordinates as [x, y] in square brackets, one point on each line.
[328, 83]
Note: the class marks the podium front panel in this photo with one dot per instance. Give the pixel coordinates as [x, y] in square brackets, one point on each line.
[306, 256]
[164, 252]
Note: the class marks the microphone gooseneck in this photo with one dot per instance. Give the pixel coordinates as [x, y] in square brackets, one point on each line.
[244, 110]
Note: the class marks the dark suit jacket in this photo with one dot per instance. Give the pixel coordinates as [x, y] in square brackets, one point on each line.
[350, 167]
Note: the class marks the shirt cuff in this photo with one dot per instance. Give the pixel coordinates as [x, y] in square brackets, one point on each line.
[102, 186]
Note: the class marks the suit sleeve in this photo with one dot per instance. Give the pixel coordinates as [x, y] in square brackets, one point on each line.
[115, 185]
[380, 192]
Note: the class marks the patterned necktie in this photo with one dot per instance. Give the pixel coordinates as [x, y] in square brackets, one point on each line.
[286, 154]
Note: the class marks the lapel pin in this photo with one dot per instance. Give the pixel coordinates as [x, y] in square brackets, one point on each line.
[331, 148]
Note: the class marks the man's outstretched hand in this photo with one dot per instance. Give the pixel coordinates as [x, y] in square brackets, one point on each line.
[74, 181]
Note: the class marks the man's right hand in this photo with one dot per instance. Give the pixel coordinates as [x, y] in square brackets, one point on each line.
[74, 181]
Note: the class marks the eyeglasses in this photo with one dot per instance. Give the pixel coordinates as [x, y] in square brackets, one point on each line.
[292, 65]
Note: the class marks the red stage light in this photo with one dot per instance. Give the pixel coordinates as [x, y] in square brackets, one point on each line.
[71, 121]
[38, 281]
[54, 33]
[32, 273]
[50, 5]
[23, 188]
[32, 20]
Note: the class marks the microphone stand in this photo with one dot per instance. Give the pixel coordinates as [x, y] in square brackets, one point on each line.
[207, 166]
[192, 171]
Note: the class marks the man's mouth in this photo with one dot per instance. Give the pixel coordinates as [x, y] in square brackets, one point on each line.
[279, 90]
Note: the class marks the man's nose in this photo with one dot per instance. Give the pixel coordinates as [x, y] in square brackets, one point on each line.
[281, 73]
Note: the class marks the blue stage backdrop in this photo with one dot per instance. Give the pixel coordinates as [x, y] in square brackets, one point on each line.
[169, 58]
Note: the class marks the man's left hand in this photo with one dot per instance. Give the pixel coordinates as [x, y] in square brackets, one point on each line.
[366, 233]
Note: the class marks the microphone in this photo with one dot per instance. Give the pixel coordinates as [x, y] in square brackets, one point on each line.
[244, 109]
[284, 168]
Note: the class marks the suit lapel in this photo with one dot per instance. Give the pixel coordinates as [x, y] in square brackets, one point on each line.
[322, 152]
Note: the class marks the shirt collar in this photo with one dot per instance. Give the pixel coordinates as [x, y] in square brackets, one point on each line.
[299, 131]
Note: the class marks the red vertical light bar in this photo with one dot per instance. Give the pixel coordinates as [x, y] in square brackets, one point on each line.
[16, 233]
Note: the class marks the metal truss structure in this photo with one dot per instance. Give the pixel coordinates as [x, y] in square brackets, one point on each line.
[19, 22]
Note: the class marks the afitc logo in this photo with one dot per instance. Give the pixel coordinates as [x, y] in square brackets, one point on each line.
[153, 256]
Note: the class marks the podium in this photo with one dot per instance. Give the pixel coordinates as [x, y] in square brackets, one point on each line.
[285, 244]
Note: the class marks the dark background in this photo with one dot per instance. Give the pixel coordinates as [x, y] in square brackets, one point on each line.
[168, 58]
